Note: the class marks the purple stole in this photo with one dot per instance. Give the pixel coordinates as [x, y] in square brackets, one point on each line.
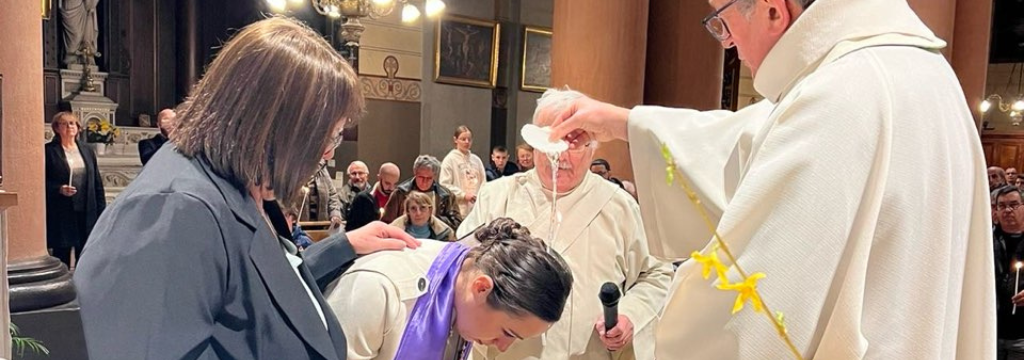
[426, 333]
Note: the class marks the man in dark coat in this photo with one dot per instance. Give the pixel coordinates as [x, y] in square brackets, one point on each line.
[148, 147]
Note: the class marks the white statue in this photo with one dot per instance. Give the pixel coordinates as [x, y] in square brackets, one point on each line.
[80, 31]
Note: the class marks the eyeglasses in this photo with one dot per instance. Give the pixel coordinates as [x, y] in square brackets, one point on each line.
[1011, 206]
[715, 25]
[337, 139]
[358, 173]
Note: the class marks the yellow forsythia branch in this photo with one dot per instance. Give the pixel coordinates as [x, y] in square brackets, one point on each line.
[746, 288]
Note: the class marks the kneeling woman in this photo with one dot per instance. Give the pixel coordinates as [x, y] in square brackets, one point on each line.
[434, 302]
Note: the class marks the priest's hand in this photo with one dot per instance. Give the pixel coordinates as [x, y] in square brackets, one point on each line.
[377, 236]
[619, 336]
[470, 197]
[605, 122]
[68, 190]
[1019, 299]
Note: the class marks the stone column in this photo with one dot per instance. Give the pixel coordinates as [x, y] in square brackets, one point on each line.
[972, 33]
[684, 63]
[966, 25]
[38, 282]
[600, 48]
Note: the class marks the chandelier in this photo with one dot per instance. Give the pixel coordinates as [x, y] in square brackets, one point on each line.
[355, 9]
[352, 10]
[1016, 108]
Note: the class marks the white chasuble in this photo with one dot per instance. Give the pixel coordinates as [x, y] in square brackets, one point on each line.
[858, 187]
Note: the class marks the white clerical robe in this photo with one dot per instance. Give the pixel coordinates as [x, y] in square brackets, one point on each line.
[462, 174]
[602, 240]
[858, 187]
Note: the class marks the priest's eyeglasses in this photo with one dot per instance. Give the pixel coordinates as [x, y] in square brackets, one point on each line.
[714, 24]
[1011, 206]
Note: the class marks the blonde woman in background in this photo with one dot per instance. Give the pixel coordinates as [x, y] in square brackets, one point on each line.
[419, 220]
[462, 172]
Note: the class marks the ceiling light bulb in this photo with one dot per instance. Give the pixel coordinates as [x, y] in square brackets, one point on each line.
[1018, 105]
[434, 7]
[277, 5]
[985, 105]
[410, 13]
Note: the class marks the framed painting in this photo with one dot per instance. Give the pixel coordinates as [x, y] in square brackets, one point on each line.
[536, 59]
[466, 51]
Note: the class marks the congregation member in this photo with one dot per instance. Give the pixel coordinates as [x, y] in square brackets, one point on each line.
[164, 122]
[74, 189]
[368, 206]
[419, 220]
[462, 172]
[524, 157]
[321, 201]
[1009, 250]
[437, 301]
[601, 237]
[602, 168]
[425, 170]
[193, 260]
[996, 178]
[848, 255]
[499, 165]
[1011, 175]
[358, 181]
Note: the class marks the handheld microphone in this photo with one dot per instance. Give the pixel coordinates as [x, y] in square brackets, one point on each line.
[610, 299]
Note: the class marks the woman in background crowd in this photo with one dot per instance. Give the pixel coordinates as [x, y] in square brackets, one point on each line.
[524, 157]
[74, 189]
[462, 171]
[419, 221]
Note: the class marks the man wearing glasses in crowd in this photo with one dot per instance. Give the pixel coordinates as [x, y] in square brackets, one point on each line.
[871, 262]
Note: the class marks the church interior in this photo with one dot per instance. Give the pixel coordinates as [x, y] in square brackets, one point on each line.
[425, 68]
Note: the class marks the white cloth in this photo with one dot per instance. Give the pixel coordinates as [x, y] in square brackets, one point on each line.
[462, 174]
[858, 187]
[602, 240]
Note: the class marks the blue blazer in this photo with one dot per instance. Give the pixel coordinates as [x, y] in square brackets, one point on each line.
[183, 266]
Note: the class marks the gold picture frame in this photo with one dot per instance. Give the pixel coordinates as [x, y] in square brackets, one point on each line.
[466, 51]
[536, 75]
[46, 8]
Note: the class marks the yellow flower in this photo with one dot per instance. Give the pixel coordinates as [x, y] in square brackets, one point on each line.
[91, 126]
[670, 164]
[747, 290]
[104, 126]
[709, 262]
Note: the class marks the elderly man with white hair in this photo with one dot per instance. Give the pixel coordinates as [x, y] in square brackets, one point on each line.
[601, 237]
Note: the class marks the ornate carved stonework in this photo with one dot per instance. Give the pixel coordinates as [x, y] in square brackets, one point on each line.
[390, 87]
[120, 164]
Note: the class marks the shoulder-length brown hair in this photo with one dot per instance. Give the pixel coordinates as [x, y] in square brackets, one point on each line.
[268, 106]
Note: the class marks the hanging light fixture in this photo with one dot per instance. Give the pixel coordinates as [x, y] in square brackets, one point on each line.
[373, 9]
[352, 10]
[1015, 109]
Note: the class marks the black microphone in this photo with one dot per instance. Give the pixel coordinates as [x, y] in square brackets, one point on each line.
[610, 299]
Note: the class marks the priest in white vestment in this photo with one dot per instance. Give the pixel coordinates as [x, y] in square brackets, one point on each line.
[820, 187]
[601, 237]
